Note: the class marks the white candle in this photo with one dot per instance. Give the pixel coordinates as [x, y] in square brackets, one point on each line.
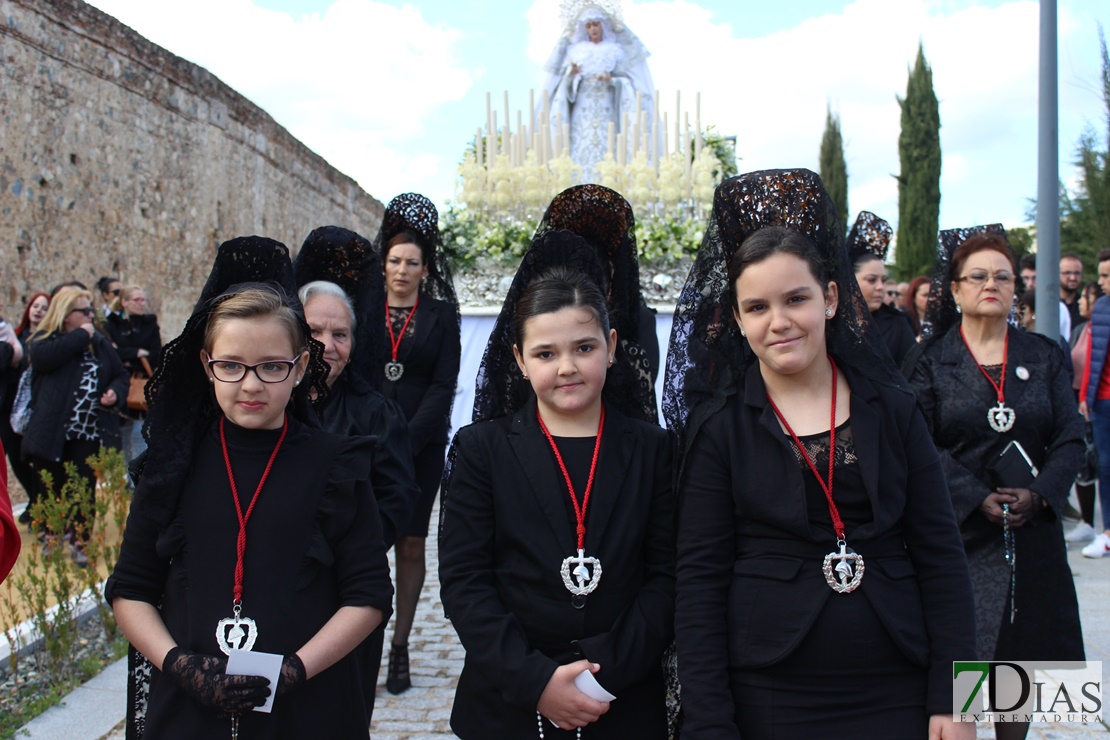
[494, 149]
[508, 124]
[678, 121]
[566, 137]
[666, 138]
[655, 130]
[612, 138]
[532, 109]
[478, 146]
[697, 126]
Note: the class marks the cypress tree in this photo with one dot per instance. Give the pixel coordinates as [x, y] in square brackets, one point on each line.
[834, 171]
[919, 181]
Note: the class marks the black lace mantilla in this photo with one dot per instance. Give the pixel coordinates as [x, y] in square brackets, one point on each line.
[707, 357]
[347, 259]
[869, 234]
[414, 212]
[940, 311]
[500, 388]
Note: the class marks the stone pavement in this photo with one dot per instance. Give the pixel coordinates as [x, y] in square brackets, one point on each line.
[423, 712]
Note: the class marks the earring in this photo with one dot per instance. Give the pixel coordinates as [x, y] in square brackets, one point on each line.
[524, 374]
[828, 313]
[610, 362]
[958, 309]
[211, 379]
[742, 332]
[296, 383]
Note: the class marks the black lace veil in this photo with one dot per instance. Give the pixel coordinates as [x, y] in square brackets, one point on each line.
[347, 259]
[708, 357]
[869, 234]
[179, 397]
[605, 220]
[500, 388]
[940, 310]
[415, 213]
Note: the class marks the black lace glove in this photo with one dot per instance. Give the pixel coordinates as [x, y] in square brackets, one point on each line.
[204, 678]
[293, 674]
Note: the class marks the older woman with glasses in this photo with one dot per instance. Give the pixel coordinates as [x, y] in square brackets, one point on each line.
[78, 384]
[1001, 411]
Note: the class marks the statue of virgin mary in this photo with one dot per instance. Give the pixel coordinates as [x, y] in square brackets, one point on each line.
[594, 73]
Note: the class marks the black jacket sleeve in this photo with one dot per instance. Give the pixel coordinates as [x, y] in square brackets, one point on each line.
[428, 421]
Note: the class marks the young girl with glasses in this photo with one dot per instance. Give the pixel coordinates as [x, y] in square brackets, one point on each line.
[251, 528]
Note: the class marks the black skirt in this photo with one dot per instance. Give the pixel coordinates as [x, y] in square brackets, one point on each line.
[847, 678]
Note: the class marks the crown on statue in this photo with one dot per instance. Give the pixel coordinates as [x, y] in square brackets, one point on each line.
[571, 10]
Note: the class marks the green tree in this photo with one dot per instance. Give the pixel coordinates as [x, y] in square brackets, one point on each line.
[834, 170]
[1085, 214]
[919, 180]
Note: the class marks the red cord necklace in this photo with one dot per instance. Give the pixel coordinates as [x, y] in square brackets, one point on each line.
[840, 576]
[238, 632]
[585, 580]
[1001, 417]
[393, 369]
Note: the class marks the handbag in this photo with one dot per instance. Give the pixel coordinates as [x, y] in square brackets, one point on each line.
[21, 406]
[136, 392]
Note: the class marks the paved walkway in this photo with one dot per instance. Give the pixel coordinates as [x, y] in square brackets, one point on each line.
[423, 712]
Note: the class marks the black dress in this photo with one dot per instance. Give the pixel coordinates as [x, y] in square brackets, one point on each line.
[314, 545]
[430, 351]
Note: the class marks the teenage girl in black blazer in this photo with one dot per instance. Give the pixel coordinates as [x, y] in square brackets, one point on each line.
[822, 589]
[511, 539]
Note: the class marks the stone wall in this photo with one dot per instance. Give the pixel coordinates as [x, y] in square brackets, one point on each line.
[119, 158]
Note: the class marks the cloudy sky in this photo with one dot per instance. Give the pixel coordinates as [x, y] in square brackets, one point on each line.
[390, 92]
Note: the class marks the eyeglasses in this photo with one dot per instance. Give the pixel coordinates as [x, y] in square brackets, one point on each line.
[979, 279]
[270, 371]
[1071, 273]
[88, 310]
[893, 293]
[114, 292]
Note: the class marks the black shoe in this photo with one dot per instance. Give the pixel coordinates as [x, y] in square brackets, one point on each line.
[397, 679]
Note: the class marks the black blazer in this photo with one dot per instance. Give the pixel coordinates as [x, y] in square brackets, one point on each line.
[507, 525]
[431, 359]
[749, 575]
[56, 363]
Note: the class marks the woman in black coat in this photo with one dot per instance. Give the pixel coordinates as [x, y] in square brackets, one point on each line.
[422, 324]
[867, 247]
[79, 383]
[1030, 613]
[136, 335]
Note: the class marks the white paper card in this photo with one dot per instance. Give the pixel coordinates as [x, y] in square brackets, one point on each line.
[250, 663]
[588, 685]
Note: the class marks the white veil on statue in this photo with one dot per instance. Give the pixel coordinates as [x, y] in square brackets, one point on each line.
[586, 100]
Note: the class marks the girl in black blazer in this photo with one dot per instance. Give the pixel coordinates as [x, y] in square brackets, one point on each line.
[822, 589]
[422, 327]
[535, 505]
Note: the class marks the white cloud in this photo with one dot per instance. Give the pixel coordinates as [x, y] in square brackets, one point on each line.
[359, 83]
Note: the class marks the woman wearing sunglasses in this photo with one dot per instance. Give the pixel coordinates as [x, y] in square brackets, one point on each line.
[78, 384]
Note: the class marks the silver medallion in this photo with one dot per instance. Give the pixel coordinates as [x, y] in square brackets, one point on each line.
[394, 370]
[1001, 418]
[1022, 373]
[586, 573]
[236, 633]
[844, 577]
